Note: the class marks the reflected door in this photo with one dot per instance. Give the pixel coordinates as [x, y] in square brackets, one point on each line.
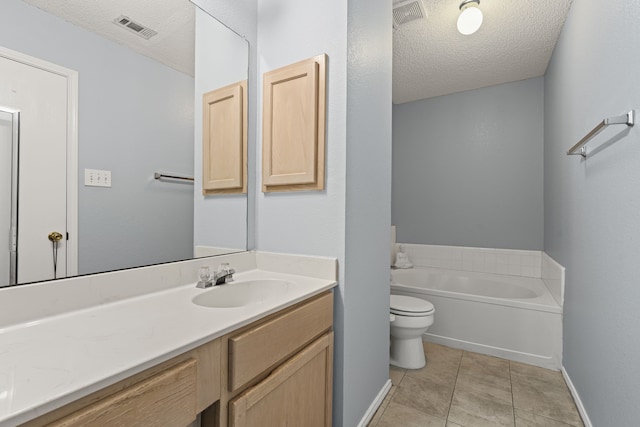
[41, 97]
[9, 133]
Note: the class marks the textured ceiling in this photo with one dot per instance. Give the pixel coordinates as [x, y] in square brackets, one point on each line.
[515, 42]
[174, 20]
[430, 57]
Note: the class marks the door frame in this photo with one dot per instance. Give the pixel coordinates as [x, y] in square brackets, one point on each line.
[72, 146]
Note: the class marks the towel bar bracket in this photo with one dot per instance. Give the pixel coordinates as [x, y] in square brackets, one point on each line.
[625, 119]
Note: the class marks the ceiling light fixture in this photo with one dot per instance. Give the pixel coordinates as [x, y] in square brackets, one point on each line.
[470, 18]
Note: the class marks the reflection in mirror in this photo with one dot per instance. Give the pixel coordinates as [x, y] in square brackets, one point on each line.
[108, 94]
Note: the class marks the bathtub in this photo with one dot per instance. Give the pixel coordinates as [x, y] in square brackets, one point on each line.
[511, 317]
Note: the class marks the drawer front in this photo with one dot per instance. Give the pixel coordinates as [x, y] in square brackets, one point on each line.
[166, 399]
[297, 393]
[263, 347]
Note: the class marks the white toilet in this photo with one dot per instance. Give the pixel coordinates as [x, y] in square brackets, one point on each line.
[410, 318]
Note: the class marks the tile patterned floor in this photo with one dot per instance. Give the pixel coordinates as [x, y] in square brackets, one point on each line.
[463, 389]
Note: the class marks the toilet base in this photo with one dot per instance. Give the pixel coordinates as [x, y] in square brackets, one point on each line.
[407, 353]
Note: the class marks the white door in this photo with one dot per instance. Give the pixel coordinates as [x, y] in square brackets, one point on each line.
[41, 98]
[8, 168]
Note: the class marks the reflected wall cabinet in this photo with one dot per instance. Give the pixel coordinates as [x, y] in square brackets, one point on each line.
[293, 126]
[224, 142]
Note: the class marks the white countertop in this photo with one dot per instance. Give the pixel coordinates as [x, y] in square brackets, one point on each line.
[47, 363]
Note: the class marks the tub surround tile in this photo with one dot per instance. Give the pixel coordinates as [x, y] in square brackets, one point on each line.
[397, 414]
[528, 419]
[477, 409]
[553, 277]
[481, 260]
[424, 395]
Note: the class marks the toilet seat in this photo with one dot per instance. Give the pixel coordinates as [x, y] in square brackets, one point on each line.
[402, 305]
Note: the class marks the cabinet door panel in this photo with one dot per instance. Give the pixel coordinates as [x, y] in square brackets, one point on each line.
[293, 131]
[261, 348]
[167, 399]
[224, 140]
[298, 393]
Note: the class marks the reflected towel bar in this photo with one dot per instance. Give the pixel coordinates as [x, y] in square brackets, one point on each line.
[625, 119]
[159, 175]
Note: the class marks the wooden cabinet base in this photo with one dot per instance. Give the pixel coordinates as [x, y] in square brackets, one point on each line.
[164, 400]
[298, 393]
[274, 372]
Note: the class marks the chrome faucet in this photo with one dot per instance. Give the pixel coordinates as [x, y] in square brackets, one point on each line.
[223, 275]
[204, 274]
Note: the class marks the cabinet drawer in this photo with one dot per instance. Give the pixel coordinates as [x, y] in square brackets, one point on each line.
[166, 399]
[297, 393]
[265, 346]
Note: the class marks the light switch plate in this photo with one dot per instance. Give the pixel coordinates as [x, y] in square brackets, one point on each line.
[97, 178]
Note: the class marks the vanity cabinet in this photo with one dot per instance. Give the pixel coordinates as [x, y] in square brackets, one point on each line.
[170, 394]
[298, 393]
[276, 371]
[279, 371]
[167, 399]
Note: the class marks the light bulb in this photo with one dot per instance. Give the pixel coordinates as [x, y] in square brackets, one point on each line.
[470, 19]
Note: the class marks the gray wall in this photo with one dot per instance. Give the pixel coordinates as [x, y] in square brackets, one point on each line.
[130, 128]
[315, 223]
[592, 225]
[242, 17]
[467, 168]
[368, 206]
[311, 222]
[221, 59]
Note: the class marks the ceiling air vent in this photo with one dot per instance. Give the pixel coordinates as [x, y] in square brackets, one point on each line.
[139, 29]
[407, 11]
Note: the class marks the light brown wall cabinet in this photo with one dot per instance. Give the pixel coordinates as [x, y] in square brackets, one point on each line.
[224, 142]
[293, 126]
[274, 372]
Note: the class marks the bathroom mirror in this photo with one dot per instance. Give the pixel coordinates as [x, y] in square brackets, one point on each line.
[130, 75]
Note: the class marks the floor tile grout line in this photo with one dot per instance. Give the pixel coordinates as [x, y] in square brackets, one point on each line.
[513, 402]
[455, 384]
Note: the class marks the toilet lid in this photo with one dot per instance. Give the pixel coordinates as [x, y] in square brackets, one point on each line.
[401, 304]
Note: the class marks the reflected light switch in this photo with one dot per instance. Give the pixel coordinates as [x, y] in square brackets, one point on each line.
[97, 178]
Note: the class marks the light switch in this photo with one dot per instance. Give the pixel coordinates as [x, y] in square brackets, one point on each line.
[97, 178]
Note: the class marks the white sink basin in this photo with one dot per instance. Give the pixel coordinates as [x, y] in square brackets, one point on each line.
[241, 294]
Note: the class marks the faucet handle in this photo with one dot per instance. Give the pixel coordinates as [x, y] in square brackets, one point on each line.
[223, 268]
[205, 277]
[230, 273]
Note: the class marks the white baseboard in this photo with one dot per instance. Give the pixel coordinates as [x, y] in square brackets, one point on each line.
[517, 356]
[375, 404]
[576, 397]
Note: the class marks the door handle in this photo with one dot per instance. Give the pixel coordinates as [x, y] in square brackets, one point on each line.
[55, 236]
